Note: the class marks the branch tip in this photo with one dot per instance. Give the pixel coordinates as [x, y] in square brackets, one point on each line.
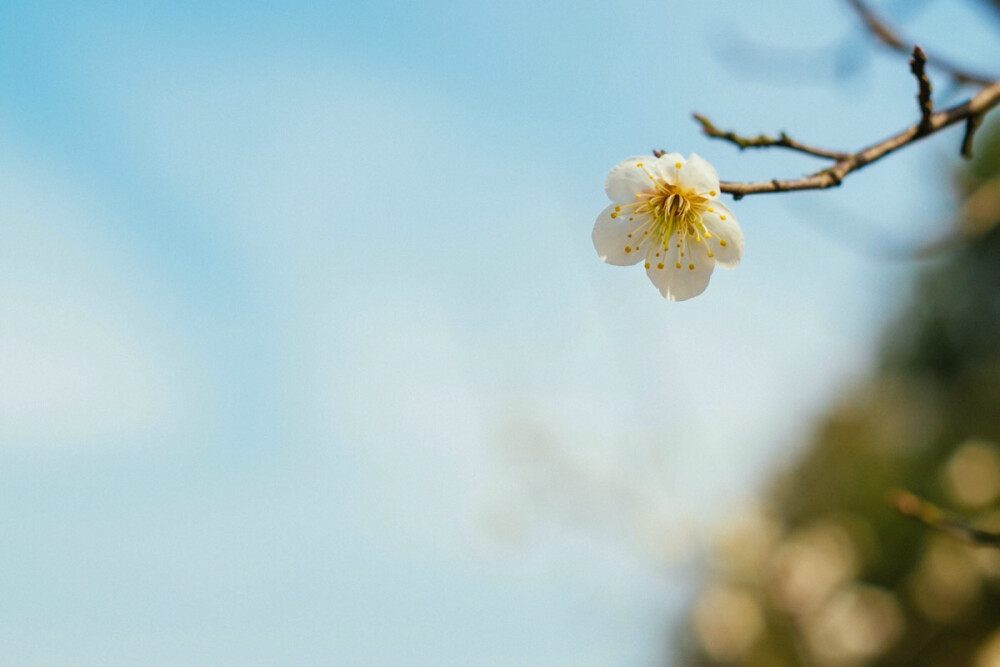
[763, 140]
[918, 65]
[932, 516]
[972, 124]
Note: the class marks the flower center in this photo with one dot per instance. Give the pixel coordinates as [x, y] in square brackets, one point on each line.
[672, 210]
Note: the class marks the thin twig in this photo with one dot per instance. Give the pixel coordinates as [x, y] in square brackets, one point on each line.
[918, 65]
[972, 124]
[976, 107]
[934, 517]
[890, 38]
[764, 141]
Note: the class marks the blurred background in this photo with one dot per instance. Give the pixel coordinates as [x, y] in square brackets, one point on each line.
[306, 356]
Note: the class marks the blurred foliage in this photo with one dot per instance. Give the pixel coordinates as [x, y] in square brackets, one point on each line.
[824, 572]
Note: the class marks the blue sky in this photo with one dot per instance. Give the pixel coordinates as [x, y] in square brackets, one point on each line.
[307, 358]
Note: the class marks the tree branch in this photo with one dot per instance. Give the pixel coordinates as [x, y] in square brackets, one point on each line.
[764, 141]
[971, 112]
[934, 517]
[890, 38]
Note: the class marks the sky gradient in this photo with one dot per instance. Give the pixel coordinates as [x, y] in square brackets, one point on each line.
[306, 356]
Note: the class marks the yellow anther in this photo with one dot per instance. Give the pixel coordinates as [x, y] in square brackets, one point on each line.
[711, 254]
[628, 249]
[678, 165]
[647, 265]
[691, 267]
[617, 208]
[722, 243]
[698, 240]
[722, 217]
[660, 265]
[638, 164]
[708, 235]
[614, 215]
[678, 265]
[711, 193]
[711, 210]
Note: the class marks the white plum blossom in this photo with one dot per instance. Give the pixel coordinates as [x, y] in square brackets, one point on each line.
[665, 213]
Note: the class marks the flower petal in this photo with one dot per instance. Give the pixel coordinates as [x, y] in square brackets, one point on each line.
[727, 237]
[698, 175]
[668, 164]
[674, 276]
[618, 240]
[628, 179]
